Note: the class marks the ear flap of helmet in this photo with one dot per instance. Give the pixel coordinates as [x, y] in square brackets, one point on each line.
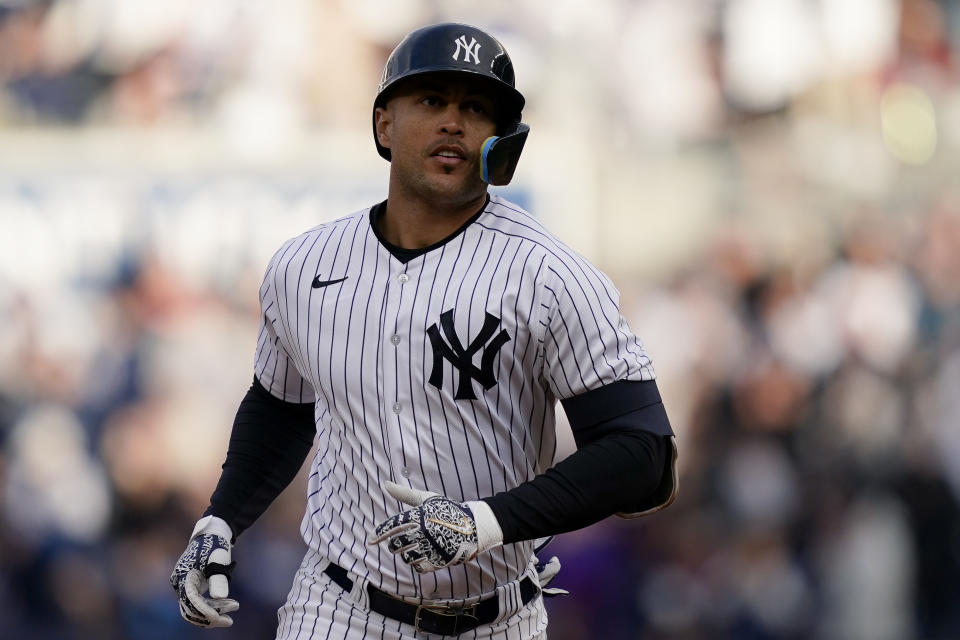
[499, 155]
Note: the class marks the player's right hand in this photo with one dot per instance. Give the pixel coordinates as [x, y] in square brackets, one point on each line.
[206, 565]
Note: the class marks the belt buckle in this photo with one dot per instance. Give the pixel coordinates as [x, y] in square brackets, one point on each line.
[452, 612]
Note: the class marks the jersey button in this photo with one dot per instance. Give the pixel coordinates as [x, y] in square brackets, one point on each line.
[397, 407]
[405, 472]
[403, 278]
[395, 340]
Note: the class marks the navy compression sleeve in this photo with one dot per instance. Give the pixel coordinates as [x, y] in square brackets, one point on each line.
[622, 459]
[268, 444]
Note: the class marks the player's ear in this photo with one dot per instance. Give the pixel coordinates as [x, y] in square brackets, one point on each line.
[383, 120]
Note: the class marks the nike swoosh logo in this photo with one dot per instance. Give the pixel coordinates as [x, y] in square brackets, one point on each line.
[449, 525]
[318, 283]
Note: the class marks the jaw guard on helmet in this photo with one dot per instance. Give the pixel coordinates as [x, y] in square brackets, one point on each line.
[461, 48]
[499, 155]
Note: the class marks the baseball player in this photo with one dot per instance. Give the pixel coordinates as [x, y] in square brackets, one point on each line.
[424, 342]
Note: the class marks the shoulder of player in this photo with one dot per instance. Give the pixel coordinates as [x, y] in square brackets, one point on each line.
[510, 218]
[563, 261]
[290, 246]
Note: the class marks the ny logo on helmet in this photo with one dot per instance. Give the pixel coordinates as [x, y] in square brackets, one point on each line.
[471, 50]
[462, 357]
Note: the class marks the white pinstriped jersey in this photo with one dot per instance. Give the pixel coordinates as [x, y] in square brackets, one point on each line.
[441, 373]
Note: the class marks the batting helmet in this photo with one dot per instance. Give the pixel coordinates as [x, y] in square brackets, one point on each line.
[461, 48]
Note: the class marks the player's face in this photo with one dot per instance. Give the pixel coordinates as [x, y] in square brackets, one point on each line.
[435, 128]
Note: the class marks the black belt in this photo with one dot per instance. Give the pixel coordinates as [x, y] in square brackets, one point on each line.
[444, 621]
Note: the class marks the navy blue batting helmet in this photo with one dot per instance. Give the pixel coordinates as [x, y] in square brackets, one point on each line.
[461, 48]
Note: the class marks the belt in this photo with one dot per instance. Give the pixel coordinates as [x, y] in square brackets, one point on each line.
[441, 620]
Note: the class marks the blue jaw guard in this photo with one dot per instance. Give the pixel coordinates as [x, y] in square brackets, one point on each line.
[499, 155]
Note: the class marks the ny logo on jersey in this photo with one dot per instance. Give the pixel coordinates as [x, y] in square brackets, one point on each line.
[471, 50]
[462, 359]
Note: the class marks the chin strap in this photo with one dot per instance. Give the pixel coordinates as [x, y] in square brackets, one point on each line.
[499, 155]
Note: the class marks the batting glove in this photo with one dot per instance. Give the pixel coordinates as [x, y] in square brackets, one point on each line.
[438, 532]
[547, 571]
[206, 565]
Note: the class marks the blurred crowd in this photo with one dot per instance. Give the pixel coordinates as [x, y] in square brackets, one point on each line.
[820, 444]
[796, 281]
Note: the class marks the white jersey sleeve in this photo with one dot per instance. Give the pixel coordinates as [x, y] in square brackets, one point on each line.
[587, 343]
[274, 366]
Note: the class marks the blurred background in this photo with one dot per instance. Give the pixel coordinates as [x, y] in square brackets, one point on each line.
[774, 186]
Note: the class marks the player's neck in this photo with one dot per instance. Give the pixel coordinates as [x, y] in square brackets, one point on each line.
[411, 223]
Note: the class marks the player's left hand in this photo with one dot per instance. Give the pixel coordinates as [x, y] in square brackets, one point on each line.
[547, 571]
[437, 532]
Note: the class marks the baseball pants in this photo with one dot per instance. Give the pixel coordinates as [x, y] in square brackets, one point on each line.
[319, 609]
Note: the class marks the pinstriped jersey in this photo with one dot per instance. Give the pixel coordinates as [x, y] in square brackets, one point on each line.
[440, 373]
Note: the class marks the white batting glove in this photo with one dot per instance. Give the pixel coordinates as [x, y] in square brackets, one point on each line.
[547, 571]
[438, 532]
[206, 565]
